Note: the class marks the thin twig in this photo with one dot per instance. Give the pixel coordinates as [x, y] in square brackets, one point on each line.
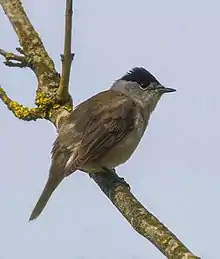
[23, 61]
[67, 58]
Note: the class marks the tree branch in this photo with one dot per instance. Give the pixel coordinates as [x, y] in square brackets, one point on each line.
[28, 37]
[42, 64]
[49, 88]
[67, 58]
[20, 111]
[22, 60]
[145, 223]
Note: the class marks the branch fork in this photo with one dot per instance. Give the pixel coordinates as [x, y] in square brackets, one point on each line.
[23, 61]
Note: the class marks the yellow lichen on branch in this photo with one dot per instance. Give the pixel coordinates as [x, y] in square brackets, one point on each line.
[45, 109]
[34, 56]
[20, 111]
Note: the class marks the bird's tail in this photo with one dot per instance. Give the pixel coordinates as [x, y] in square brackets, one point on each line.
[51, 184]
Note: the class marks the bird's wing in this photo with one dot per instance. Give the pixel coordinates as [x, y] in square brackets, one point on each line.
[106, 121]
[110, 121]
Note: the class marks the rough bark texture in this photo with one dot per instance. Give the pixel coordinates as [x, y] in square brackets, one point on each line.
[48, 107]
[140, 218]
[41, 63]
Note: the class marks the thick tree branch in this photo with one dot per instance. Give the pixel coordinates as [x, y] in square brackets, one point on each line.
[67, 57]
[28, 37]
[41, 63]
[49, 107]
[145, 223]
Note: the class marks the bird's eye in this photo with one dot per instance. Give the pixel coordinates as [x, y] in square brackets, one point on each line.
[143, 87]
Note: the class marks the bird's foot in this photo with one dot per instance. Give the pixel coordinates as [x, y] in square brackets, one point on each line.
[109, 181]
[114, 178]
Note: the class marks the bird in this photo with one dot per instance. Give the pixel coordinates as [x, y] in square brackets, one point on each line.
[103, 131]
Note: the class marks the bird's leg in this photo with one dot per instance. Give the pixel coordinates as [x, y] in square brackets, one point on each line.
[108, 181]
[114, 178]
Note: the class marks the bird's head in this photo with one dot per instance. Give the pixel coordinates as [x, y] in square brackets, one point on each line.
[142, 86]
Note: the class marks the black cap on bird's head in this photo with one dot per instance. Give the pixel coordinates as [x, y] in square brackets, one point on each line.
[145, 79]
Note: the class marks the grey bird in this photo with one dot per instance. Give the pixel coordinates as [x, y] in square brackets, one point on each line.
[103, 131]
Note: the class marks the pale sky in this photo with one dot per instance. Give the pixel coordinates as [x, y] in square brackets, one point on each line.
[175, 170]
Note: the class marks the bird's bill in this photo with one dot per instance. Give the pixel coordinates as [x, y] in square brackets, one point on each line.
[168, 90]
[163, 89]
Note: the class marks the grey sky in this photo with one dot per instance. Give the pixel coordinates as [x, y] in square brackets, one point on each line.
[174, 172]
